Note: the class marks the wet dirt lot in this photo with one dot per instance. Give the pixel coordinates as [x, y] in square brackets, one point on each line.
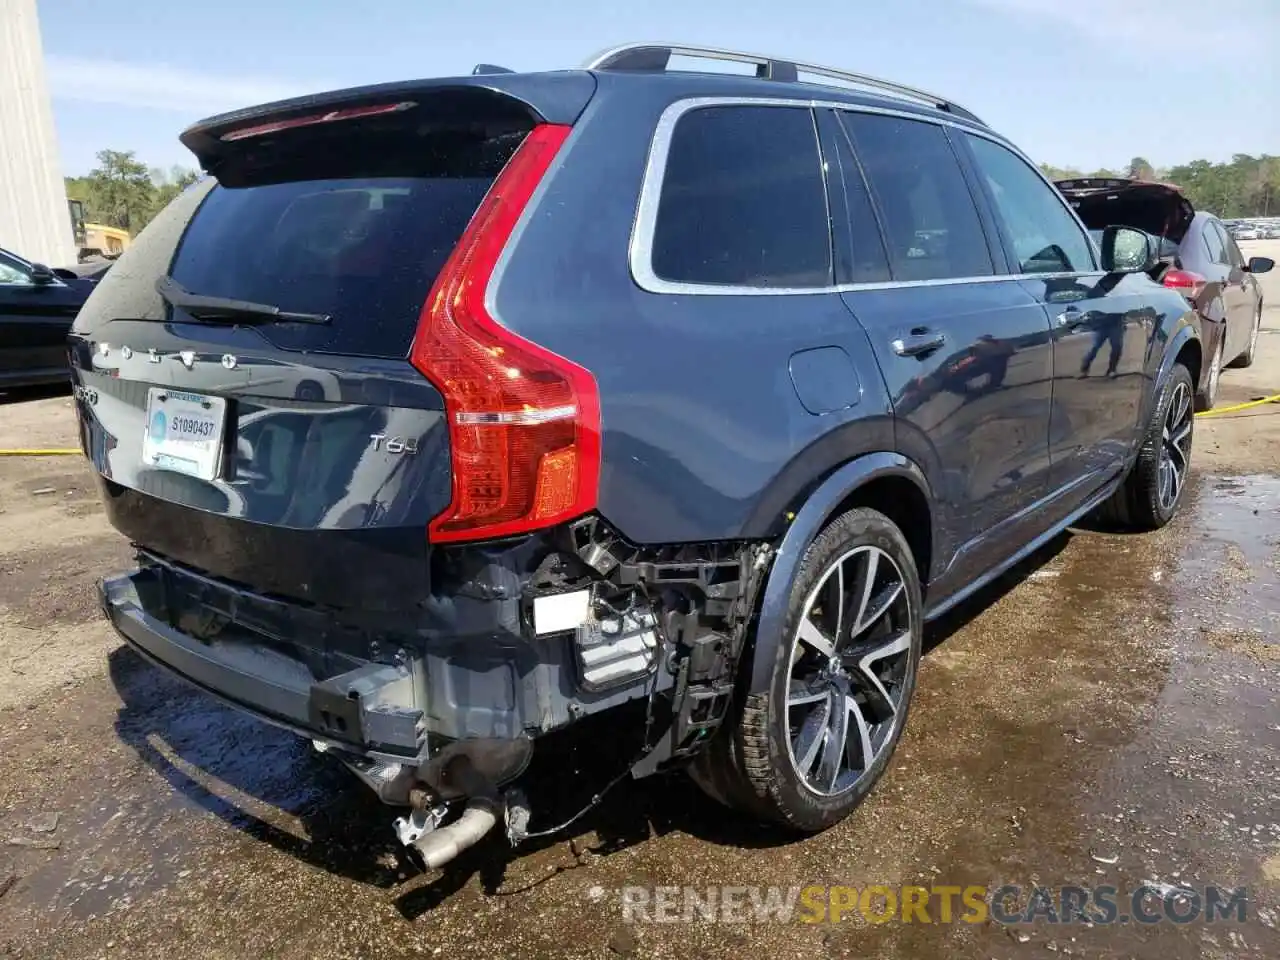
[1107, 715]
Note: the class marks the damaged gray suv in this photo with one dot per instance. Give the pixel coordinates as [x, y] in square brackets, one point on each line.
[446, 414]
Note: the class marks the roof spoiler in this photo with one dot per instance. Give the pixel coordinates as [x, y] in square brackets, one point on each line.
[534, 97]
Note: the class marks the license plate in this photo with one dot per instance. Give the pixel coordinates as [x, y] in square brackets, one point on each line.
[184, 432]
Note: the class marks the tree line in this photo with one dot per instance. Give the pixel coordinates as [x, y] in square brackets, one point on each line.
[1245, 187]
[122, 191]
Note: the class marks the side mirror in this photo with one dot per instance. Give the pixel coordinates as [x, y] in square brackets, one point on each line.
[1126, 250]
[41, 275]
[1259, 264]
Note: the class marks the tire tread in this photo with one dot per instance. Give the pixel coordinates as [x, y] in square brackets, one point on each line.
[1136, 502]
[743, 767]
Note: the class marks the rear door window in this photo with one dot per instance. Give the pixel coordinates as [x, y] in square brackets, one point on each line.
[931, 224]
[743, 201]
[861, 258]
[1215, 243]
[363, 249]
[1232, 252]
[1043, 235]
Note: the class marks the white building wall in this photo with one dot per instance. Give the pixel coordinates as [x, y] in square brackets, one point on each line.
[34, 222]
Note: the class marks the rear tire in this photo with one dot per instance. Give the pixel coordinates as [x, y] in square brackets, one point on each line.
[1150, 495]
[1209, 396]
[808, 751]
[1246, 359]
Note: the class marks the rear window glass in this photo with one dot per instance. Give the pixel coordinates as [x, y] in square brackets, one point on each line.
[743, 201]
[363, 249]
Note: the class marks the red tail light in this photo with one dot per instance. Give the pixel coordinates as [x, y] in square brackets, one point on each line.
[524, 423]
[1187, 282]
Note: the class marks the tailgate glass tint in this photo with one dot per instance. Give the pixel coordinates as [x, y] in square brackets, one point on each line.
[363, 249]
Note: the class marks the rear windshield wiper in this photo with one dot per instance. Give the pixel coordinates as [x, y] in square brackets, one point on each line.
[227, 309]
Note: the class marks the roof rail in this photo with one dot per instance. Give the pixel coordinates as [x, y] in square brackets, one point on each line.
[656, 57]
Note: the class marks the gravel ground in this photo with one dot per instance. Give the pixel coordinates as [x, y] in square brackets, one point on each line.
[1105, 715]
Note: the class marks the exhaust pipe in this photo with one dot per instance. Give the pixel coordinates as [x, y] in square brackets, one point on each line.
[437, 847]
[433, 848]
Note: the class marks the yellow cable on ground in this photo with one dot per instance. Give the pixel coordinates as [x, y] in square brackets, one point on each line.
[38, 453]
[1274, 398]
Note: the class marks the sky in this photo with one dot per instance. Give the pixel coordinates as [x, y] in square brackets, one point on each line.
[1080, 83]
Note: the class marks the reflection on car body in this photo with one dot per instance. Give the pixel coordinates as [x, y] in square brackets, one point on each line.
[1197, 256]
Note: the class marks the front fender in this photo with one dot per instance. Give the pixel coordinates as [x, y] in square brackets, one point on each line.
[808, 522]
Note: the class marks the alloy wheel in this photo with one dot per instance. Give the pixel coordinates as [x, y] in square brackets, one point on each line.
[848, 668]
[1175, 447]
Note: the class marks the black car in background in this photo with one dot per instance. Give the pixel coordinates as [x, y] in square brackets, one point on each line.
[37, 305]
[1198, 256]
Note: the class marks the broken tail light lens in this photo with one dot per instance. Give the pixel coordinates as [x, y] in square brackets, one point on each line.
[524, 423]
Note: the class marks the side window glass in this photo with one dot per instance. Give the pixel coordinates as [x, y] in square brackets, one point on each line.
[743, 200]
[1044, 235]
[1213, 240]
[1234, 256]
[10, 274]
[861, 257]
[931, 225]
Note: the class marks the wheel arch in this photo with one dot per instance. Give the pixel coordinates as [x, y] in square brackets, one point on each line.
[883, 480]
[1184, 345]
[1188, 350]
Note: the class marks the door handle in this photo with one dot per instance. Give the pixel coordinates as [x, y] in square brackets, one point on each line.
[918, 344]
[1072, 318]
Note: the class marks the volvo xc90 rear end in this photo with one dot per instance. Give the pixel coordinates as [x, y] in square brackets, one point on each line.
[446, 414]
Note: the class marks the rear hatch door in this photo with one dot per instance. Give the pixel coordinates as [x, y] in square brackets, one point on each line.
[1159, 209]
[296, 452]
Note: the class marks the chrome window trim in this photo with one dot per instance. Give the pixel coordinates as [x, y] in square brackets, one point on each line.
[640, 250]
[645, 225]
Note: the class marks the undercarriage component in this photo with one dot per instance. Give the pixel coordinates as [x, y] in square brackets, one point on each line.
[421, 820]
[517, 816]
[433, 845]
[518, 813]
[390, 781]
[495, 759]
[617, 648]
[703, 598]
[437, 847]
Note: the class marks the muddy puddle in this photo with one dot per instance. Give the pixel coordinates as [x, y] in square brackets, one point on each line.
[1107, 715]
